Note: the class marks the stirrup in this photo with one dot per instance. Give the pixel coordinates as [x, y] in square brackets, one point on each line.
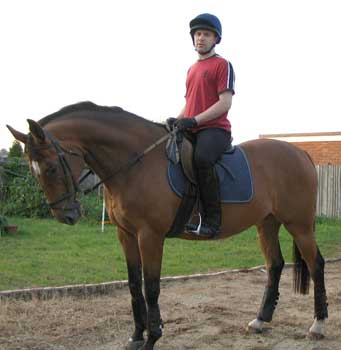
[190, 228]
[196, 230]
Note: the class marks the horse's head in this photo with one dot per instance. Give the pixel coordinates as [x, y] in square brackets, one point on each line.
[56, 168]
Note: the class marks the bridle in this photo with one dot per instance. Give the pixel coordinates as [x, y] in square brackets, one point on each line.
[71, 184]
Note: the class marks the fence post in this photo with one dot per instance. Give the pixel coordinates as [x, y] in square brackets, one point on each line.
[329, 191]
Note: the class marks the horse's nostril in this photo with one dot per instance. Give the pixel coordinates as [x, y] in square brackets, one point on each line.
[69, 220]
[71, 217]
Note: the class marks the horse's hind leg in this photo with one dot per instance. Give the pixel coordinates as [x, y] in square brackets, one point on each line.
[305, 247]
[268, 238]
[130, 247]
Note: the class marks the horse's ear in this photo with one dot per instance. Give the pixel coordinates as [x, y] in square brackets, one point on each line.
[36, 131]
[17, 134]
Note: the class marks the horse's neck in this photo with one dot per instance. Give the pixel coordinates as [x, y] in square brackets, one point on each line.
[106, 149]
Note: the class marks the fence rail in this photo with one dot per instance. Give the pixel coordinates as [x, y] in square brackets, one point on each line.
[329, 191]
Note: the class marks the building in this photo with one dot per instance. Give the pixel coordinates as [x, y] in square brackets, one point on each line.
[325, 150]
[323, 147]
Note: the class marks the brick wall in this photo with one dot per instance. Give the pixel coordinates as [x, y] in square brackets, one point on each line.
[322, 152]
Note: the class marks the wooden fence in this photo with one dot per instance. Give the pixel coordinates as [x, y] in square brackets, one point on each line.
[329, 191]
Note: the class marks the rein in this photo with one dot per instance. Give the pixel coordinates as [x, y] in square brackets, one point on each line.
[131, 162]
[71, 183]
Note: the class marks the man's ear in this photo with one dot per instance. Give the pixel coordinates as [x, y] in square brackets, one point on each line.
[17, 134]
[36, 131]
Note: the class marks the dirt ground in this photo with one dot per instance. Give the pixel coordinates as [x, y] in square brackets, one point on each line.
[198, 314]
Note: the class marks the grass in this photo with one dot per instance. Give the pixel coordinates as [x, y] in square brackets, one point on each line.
[46, 253]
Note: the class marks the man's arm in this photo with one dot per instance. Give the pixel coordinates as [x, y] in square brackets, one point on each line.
[182, 113]
[220, 107]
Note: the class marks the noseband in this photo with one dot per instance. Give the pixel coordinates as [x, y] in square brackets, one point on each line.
[71, 183]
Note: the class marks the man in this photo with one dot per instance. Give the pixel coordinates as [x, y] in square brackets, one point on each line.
[209, 91]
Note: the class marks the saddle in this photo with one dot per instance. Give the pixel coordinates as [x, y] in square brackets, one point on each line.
[186, 158]
[236, 185]
[180, 149]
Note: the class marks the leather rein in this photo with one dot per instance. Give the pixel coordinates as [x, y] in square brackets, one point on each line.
[71, 184]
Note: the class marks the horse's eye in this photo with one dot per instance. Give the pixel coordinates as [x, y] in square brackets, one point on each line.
[51, 171]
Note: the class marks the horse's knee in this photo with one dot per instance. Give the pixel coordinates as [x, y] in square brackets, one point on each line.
[135, 280]
[152, 290]
[135, 289]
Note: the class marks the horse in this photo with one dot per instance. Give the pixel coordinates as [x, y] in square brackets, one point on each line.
[142, 205]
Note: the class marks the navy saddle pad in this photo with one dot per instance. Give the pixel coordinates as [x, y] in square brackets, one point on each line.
[236, 185]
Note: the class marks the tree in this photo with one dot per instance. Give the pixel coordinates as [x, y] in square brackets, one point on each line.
[3, 152]
[16, 150]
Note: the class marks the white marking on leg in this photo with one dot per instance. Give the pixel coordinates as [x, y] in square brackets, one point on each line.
[318, 327]
[256, 325]
[35, 167]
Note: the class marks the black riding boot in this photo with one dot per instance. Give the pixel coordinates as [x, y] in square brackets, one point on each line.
[210, 198]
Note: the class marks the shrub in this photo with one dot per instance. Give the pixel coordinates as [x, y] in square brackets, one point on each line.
[3, 223]
[16, 150]
[92, 207]
[21, 195]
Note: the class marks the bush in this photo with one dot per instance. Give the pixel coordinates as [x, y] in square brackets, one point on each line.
[21, 195]
[92, 207]
[16, 150]
[3, 223]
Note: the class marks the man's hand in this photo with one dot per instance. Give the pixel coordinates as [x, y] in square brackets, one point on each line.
[186, 124]
[170, 122]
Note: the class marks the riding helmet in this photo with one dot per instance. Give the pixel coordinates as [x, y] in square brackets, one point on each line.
[206, 21]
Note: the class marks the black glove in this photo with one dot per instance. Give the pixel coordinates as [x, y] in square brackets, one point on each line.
[170, 122]
[186, 123]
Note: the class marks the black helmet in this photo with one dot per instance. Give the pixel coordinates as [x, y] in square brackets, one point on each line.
[206, 21]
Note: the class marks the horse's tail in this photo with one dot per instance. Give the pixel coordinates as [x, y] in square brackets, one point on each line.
[301, 276]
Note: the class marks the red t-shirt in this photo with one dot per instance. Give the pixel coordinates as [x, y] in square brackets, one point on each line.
[207, 79]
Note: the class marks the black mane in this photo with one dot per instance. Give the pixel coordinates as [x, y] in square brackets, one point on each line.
[80, 106]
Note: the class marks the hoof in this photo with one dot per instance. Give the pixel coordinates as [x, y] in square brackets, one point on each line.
[255, 326]
[315, 336]
[316, 331]
[135, 345]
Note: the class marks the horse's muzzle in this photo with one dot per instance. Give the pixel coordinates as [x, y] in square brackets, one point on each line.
[69, 214]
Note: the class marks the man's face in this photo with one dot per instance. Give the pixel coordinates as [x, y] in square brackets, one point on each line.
[203, 40]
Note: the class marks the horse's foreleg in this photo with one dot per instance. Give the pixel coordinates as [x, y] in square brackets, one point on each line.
[151, 248]
[137, 302]
[130, 248]
[268, 238]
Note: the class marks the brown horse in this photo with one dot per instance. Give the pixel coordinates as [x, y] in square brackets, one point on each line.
[142, 205]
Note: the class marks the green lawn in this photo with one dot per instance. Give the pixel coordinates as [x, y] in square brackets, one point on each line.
[46, 253]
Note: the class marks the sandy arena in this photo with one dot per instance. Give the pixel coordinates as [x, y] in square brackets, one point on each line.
[211, 313]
